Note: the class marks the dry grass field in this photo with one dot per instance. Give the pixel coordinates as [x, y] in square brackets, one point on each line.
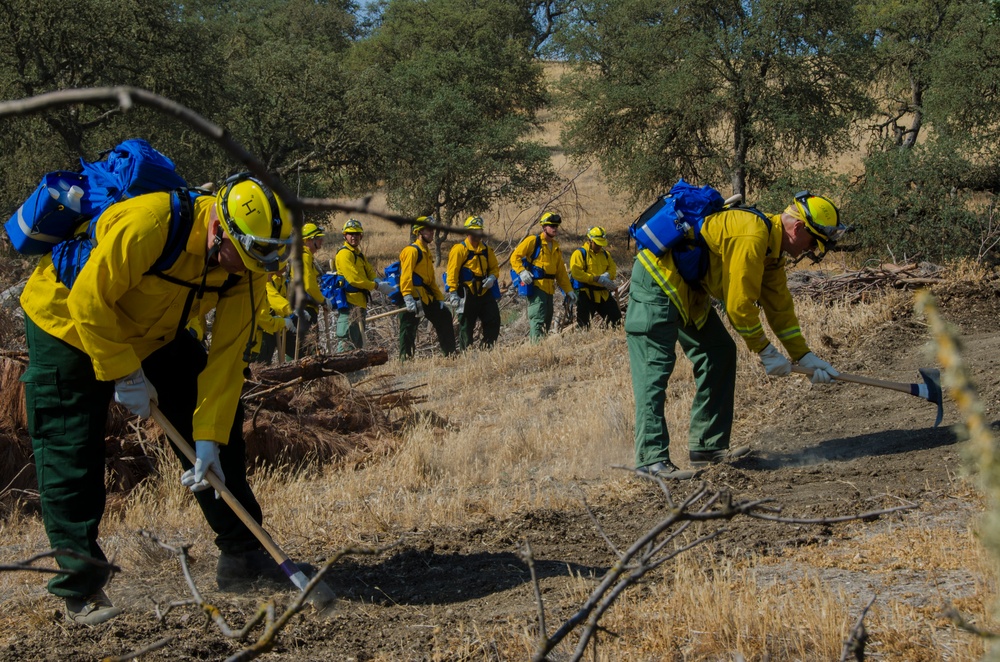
[509, 445]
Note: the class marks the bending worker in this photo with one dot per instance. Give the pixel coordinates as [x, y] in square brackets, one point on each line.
[358, 281]
[421, 295]
[539, 265]
[312, 241]
[279, 319]
[592, 271]
[120, 332]
[471, 277]
[746, 268]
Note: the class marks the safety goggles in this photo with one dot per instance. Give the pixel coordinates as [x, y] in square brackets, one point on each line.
[269, 253]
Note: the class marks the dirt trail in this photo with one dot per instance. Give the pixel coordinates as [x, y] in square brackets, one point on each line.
[854, 445]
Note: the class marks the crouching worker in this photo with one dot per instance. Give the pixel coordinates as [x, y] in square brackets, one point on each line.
[472, 273]
[421, 295]
[592, 271]
[746, 267]
[120, 333]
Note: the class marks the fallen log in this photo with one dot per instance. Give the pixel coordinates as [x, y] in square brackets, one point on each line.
[316, 367]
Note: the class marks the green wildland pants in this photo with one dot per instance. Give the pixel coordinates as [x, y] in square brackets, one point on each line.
[67, 409]
[351, 328]
[652, 330]
[440, 319]
[539, 314]
[479, 309]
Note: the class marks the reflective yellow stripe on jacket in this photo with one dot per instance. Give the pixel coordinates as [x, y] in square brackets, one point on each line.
[354, 267]
[549, 259]
[587, 265]
[119, 315]
[480, 261]
[745, 268]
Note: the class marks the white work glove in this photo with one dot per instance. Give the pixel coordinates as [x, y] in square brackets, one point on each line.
[572, 296]
[331, 304]
[309, 317]
[413, 305]
[454, 299]
[775, 363]
[135, 393]
[206, 458]
[526, 278]
[823, 372]
[489, 281]
[384, 286]
[604, 280]
[290, 324]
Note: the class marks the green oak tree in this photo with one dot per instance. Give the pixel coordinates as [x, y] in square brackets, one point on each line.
[450, 91]
[713, 91]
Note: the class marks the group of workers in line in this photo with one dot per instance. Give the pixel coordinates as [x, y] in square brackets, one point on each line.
[119, 333]
[471, 287]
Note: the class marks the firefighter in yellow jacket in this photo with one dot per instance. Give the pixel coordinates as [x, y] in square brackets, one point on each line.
[357, 279]
[537, 265]
[592, 271]
[746, 272]
[421, 295]
[312, 241]
[472, 277]
[120, 333]
[277, 319]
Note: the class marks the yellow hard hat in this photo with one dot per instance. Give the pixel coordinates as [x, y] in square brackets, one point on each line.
[421, 223]
[597, 235]
[550, 218]
[353, 226]
[821, 218]
[474, 223]
[312, 231]
[256, 221]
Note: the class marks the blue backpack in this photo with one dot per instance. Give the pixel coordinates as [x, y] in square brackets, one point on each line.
[537, 273]
[392, 277]
[61, 214]
[673, 223]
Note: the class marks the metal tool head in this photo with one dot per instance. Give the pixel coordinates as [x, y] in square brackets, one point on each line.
[932, 378]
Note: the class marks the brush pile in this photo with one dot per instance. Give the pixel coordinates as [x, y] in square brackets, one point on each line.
[859, 286]
[317, 417]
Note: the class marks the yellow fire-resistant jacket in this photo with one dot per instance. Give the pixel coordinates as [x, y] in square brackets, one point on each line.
[586, 265]
[424, 268]
[481, 262]
[278, 306]
[549, 259]
[745, 268]
[311, 279]
[119, 315]
[352, 265]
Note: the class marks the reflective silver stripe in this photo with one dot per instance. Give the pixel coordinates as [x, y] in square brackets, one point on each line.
[37, 236]
[654, 240]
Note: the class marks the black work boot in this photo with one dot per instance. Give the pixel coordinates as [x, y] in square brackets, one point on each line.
[705, 458]
[237, 570]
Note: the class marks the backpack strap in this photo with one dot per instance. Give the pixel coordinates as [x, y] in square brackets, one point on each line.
[577, 284]
[762, 216]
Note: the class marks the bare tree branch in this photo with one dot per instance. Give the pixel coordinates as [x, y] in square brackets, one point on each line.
[661, 543]
[857, 637]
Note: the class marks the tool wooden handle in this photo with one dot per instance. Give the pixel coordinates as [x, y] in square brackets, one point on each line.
[388, 314]
[219, 486]
[859, 379]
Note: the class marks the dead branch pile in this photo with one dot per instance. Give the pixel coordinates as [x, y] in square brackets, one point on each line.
[295, 424]
[859, 286]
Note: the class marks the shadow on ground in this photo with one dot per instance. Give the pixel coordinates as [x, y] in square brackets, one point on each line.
[418, 577]
[851, 448]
